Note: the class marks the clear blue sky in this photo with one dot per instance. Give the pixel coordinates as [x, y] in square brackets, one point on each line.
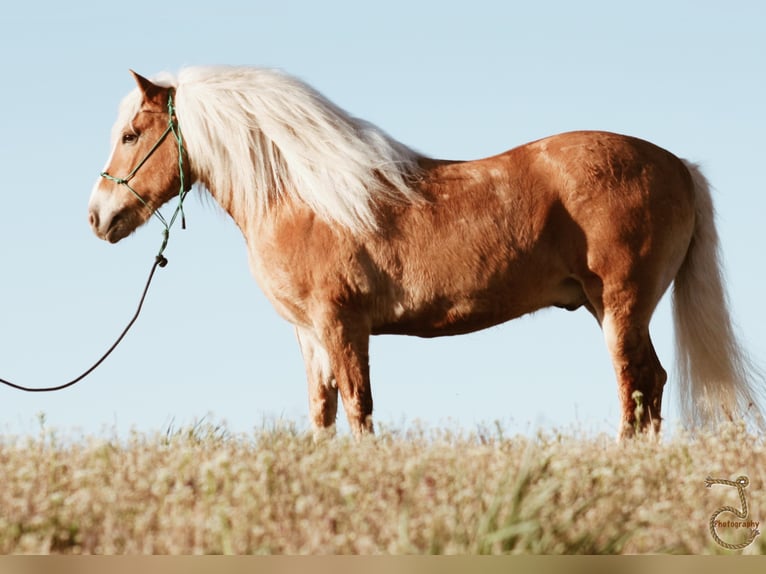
[453, 79]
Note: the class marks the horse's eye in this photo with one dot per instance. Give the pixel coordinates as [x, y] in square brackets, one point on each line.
[129, 138]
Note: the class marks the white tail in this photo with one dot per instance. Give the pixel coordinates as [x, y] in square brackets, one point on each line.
[717, 380]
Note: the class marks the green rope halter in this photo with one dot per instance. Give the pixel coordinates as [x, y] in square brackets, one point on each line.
[175, 129]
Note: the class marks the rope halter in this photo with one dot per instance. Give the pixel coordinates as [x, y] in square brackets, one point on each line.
[174, 129]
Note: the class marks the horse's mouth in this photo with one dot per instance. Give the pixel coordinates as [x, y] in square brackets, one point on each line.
[115, 235]
[116, 229]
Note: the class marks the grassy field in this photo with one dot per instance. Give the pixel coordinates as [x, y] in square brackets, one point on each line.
[205, 490]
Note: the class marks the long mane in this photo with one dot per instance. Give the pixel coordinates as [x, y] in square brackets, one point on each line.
[256, 137]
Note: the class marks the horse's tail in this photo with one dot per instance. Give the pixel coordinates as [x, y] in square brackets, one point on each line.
[717, 380]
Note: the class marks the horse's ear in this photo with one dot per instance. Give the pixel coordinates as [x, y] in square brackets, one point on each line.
[152, 93]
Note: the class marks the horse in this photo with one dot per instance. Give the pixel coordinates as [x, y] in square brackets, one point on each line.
[351, 233]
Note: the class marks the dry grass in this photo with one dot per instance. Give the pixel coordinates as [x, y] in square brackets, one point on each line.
[205, 490]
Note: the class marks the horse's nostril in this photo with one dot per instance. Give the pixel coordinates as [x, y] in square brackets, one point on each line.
[93, 219]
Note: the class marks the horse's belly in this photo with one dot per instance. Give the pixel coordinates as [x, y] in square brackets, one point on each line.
[443, 316]
[439, 328]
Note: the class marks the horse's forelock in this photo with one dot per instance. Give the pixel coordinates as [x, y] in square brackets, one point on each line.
[131, 104]
[127, 111]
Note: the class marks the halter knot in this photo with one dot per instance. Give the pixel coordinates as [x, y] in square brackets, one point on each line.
[117, 180]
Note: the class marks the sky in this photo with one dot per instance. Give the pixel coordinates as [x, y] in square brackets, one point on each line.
[456, 80]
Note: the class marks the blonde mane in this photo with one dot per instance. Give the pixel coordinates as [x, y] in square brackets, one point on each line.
[256, 137]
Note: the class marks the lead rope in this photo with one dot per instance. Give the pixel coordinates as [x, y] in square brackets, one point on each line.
[159, 261]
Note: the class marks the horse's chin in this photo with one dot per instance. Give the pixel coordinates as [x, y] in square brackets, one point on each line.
[115, 235]
[119, 228]
[118, 232]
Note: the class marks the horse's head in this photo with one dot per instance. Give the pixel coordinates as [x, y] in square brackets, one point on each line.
[143, 171]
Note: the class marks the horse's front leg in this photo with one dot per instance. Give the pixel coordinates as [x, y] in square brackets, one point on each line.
[347, 341]
[323, 391]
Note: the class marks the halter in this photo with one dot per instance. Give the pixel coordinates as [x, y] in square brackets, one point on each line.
[175, 129]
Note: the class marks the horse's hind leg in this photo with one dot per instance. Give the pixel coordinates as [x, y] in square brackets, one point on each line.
[323, 391]
[640, 376]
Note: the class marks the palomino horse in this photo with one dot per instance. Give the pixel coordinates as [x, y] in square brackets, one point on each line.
[352, 234]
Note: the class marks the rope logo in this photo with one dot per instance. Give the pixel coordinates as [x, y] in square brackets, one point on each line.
[740, 484]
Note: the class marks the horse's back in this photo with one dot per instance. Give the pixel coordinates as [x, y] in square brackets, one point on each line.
[587, 163]
[610, 187]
